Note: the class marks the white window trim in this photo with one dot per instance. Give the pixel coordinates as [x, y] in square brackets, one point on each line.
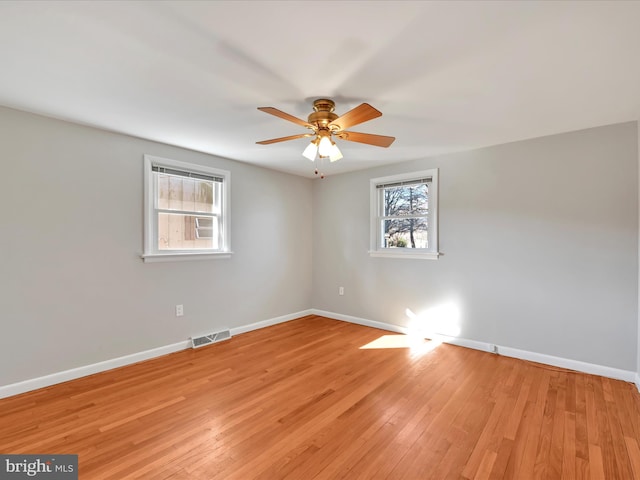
[151, 252]
[415, 253]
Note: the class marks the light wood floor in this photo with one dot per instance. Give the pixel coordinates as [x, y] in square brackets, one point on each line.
[301, 400]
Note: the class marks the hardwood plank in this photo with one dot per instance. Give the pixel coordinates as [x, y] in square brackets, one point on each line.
[581, 437]
[568, 449]
[521, 443]
[502, 460]
[596, 468]
[535, 431]
[302, 400]
[554, 469]
[606, 441]
[634, 455]
[486, 465]
[623, 465]
[543, 461]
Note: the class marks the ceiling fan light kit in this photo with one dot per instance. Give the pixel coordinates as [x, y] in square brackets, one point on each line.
[325, 123]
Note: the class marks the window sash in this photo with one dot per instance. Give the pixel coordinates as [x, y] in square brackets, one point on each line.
[381, 204]
[216, 205]
[217, 195]
[382, 219]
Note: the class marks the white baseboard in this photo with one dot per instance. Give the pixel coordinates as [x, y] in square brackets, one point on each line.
[269, 322]
[72, 374]
[610, 372]
[360, 321]
[592, 368]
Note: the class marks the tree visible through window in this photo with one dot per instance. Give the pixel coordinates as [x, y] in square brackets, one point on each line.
[406, 210]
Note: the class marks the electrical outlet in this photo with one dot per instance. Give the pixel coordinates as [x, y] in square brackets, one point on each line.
[179, 310]
[340, 290]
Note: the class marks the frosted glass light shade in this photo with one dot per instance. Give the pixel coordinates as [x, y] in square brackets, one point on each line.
[335, 153]
[310, 151]
[324, 149]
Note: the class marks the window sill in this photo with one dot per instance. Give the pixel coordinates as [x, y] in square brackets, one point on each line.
[401, 254]
[181, 257]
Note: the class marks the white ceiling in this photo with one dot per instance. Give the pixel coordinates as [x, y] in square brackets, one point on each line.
[448, 76]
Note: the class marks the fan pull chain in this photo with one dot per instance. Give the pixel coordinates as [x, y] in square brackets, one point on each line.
[321, 162]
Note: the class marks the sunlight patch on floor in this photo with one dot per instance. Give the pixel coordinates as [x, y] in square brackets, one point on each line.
[393, 341]
[416, 345]
[426, 330]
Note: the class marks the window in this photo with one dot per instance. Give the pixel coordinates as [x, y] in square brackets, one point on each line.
[186, 211]
[204, 227]
[404, 215]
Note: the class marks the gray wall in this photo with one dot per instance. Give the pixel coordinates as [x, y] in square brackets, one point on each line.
[73, 290]
[540, 242]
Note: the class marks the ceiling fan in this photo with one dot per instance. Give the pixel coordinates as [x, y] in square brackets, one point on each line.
[325, 124]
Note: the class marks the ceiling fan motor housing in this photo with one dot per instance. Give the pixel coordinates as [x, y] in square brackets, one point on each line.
[323, 113]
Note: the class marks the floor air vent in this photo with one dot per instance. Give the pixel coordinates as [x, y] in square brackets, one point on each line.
[197, 342]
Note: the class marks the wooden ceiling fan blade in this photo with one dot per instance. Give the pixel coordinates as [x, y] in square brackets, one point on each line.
[285, 116]
[284, 139]
[360, 114]
[368, 138]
